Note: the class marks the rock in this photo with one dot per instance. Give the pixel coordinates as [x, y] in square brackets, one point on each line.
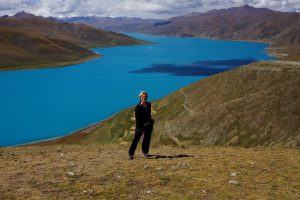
[70, 173]
[184, 164]
[146, 167]
[233, 174]
[53, 181]
[72, 165]
[233, 182]
[90, 191]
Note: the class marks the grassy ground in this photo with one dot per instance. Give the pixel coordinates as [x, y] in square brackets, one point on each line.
[104, 172]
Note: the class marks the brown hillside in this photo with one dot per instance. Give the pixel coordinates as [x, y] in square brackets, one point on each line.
[26, 49]
[32, 41]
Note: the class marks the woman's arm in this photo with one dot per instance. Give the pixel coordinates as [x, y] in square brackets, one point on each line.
[138, 117]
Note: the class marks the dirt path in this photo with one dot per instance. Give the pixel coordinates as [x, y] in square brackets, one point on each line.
[286, 62]
[190, 111]
[169, 131]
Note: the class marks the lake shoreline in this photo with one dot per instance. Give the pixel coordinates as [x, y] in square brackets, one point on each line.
[74, 136]
[70, 137]
[271, 51]
[51, 65]
[95, 55]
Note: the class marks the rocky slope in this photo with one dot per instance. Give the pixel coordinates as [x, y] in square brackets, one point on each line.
[250, 106]
[31, 41]
[104, 172]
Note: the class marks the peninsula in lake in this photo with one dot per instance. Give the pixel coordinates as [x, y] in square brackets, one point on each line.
[29, 41]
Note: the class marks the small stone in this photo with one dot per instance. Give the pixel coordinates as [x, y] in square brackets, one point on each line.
[146, 167]
[90, 191]
[148, 192]
[62, 155]
[233, 182]
[71, 173]
[233, 174]
[54, 181]
[184, 164]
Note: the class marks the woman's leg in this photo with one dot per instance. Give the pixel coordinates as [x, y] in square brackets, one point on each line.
[135, 141]
[146, 141]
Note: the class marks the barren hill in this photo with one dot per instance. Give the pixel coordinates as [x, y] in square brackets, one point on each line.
[32, 41]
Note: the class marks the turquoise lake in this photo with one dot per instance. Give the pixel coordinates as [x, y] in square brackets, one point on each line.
[48, 103]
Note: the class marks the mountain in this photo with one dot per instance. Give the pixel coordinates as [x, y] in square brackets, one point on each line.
[33, 41]
[280, 29]
[239, 23]
[250, 106]
[23, 15]
[117, 24]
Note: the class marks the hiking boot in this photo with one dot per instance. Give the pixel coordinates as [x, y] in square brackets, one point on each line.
[130, 157]
[146, 155]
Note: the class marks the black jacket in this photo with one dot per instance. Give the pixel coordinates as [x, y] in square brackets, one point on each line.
[143, 116]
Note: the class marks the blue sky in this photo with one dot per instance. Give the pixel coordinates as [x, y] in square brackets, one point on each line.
[158, 9]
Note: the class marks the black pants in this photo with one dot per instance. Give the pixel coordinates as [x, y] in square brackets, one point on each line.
[146, 140]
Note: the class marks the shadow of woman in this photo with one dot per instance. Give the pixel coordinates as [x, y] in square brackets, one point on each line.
[153, 156]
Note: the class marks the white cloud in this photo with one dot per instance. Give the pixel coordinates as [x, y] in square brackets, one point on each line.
[134, 8]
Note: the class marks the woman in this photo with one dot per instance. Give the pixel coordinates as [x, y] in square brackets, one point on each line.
[144, 125]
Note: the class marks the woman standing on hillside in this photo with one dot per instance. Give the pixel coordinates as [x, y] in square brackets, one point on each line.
[144, 125]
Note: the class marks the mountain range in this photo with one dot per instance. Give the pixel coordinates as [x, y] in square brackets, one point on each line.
[280, 29]
[33, 41]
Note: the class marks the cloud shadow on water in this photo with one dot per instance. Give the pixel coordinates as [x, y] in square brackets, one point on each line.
[200, 68]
